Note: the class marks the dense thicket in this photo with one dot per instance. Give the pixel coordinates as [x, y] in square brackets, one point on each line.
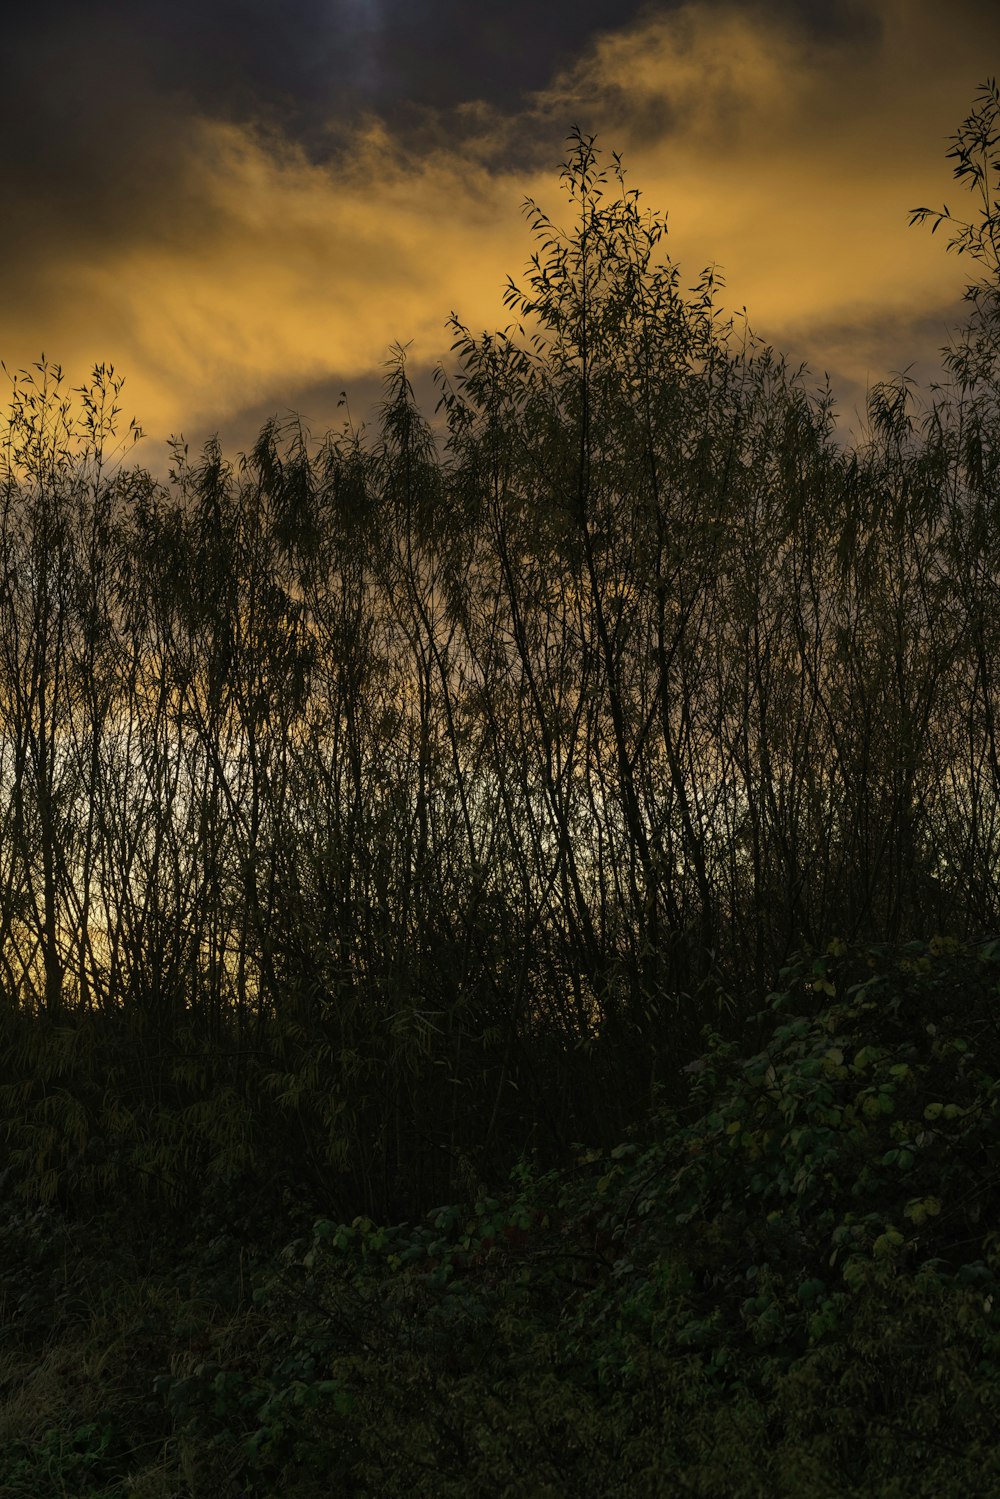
[432, 789]
[791, 1287]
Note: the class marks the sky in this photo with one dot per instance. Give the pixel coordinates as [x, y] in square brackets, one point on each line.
[243, 206]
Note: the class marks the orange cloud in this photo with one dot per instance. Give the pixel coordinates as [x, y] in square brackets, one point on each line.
[300, 272]
[793, 163]
[790, 161]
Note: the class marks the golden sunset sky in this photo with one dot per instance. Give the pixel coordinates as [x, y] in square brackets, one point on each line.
[242, 206]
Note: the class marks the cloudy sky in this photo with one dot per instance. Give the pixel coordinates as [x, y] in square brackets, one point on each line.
[242, 205]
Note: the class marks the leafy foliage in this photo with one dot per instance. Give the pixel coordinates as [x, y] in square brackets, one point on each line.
[787, 1284]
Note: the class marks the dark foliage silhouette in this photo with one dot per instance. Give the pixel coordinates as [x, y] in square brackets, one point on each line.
[380, 813]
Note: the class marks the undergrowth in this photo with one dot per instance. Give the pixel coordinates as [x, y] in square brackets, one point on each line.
[788, 1285]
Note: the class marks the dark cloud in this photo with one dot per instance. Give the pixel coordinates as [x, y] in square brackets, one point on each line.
[444, 52]
[91, 151]
[99, 104]
[310, 62]
[306, 62]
